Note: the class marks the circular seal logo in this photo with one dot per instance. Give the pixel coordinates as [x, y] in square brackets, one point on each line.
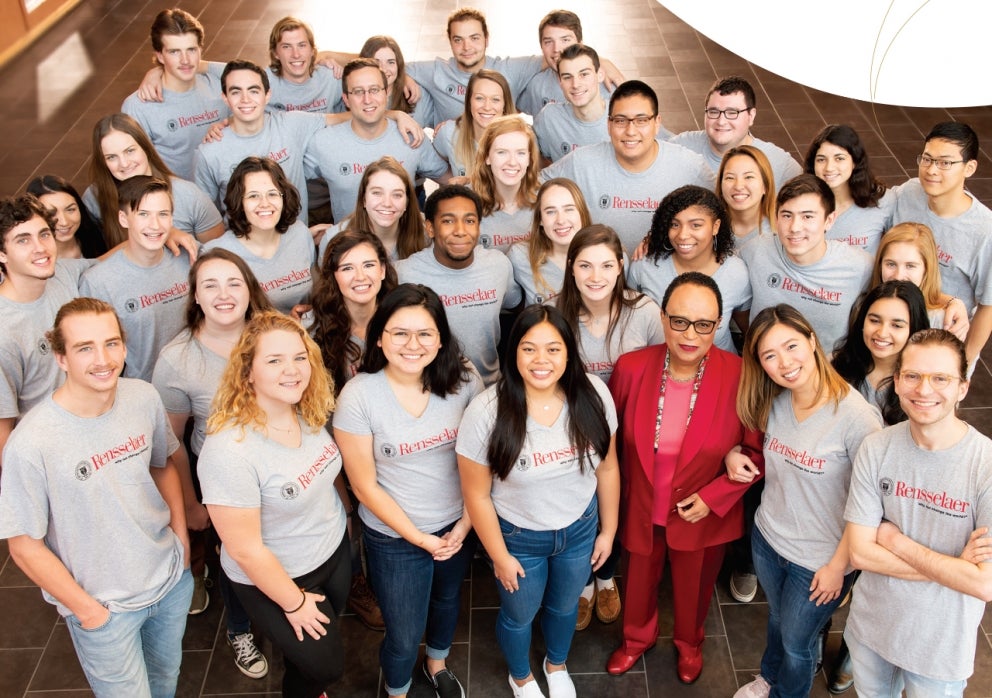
[539, 299]
[388, 450]
[450, 89]
[885, 486]
[83, 470]
[604, 201]
[485, 241]
[522, 463]
[565, 148]
[172, 125]
[43, 347]
[290, 490]
[344, 169]
[131, 305]
[774, 281]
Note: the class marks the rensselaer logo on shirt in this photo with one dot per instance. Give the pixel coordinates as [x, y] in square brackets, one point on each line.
[823, 294]
[444, 437]
[204, 117]
[647, 204]
[941, 499]
[294, 275]
[133, 444]
[319, 465]
[178, 289]
[479, 294]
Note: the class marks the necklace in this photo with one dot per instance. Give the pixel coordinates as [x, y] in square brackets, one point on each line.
[291, 429]
[665, 375]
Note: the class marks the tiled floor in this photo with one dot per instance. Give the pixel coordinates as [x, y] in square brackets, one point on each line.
[84, 67]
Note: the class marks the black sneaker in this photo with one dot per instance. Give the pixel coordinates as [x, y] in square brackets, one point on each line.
[445, 684]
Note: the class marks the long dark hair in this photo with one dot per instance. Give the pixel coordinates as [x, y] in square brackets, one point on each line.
[449, 369]
[332, 322]
[866, 188]
[853, 359]
[587, 426]
[257, 300]
[89, 236]
[570, 302]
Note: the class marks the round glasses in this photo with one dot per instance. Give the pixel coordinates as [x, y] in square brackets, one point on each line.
[428, 339]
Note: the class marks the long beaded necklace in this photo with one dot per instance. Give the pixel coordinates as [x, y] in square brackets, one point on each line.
[692, 399]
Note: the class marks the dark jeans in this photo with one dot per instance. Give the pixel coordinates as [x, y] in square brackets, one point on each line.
[311, 665]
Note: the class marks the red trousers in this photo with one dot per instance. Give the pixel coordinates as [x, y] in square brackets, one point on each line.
[694, 574]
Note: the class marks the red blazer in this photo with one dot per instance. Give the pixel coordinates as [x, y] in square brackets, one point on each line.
[713, 430]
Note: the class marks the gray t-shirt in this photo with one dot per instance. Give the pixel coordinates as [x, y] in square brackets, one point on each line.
[192, 210]
[864, 227]
[500, 229]
[414, 456]
[545, 89]
[177, 124]
[472, 299]
[823, 291]
[447, 84]
[964, 243]
[303, 519]
[187, 375]
[559, 132]
[937, 498]
[284, 138]
[84, 486]
[444, 143]
[731, 277]
[637, 327]
[321, 94]
[285, 276]
[784, 166]
[554, 276]
[546, 490]
[626, 201]
[150, 302]
[807, 475]
[28, 371]
[339, 156]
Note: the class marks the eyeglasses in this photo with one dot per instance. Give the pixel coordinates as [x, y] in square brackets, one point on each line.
[360, 92]
[640, 120]
[926, 161]
[731, 114]
[257, 196]
[428, 339]
[938, 381]
[681, 324]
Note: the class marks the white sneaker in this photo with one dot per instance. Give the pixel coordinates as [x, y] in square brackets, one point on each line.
[758, 688]
[744, 586]
[559, 682]
[528, 690]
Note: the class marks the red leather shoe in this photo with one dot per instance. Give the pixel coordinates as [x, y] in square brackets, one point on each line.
[690, 664]
[620, 662]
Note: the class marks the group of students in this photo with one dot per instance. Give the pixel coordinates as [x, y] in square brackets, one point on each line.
[515, 367]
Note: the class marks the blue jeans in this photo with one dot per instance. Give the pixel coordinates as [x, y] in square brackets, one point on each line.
[877, 678]
[557, 564]
[794, 621]
[416, 594]
[136, 654]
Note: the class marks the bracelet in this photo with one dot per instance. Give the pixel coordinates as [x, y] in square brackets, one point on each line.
[301, 603]
[953, 298]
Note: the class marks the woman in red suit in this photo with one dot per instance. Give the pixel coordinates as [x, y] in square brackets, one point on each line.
[676, 405]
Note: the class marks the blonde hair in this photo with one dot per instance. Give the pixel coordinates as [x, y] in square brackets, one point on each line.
[757, 390]
[483, 180]
[539, 243]
[464, 141]
[235, 403]
[922, 237]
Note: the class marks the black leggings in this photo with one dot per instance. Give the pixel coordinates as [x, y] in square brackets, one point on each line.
[311, 665]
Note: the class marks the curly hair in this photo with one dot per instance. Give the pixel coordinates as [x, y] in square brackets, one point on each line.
[236, 404]
[483, 179]
[660, 244]
[332, 321]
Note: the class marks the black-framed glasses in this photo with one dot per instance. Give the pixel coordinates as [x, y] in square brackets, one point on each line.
[681, 324]
[428, 339]
[641, 120]
[731, 114]
[926, 161]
